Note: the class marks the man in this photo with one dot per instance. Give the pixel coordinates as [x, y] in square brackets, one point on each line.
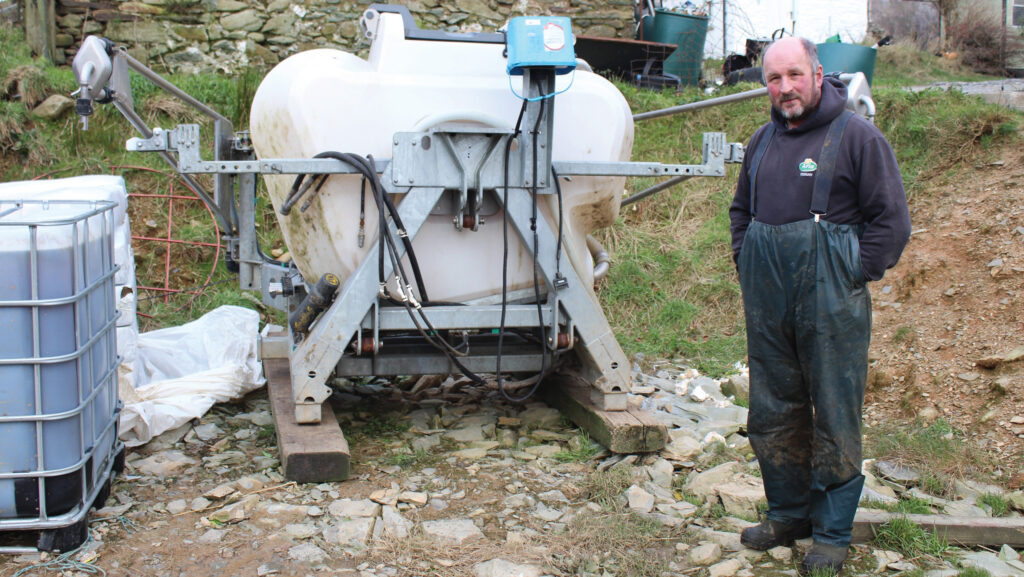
[819, 211]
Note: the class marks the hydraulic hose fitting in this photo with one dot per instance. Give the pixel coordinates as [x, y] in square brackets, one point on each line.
[319, 298]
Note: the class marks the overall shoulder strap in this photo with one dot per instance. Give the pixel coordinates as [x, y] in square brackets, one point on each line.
[755, 163]
[827, 164]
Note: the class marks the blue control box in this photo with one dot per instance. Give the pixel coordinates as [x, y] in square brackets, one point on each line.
[543, 41]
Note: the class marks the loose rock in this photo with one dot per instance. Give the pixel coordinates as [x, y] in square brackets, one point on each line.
[639, 500]
[165, 463]
[307, 553]
[344, 508]
[726, 568]
[453, 531]
[705, 554]
[503, 568]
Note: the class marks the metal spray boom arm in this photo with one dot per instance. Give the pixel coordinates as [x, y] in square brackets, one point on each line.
[101, 70]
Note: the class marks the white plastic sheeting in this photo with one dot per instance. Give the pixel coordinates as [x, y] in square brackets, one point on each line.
[184, 370]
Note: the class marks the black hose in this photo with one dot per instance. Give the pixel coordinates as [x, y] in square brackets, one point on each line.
[536, 279]
[561, 221]
[536, 266]
[504, 256]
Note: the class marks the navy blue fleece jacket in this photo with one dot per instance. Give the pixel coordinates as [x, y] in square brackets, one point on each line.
[867, 187]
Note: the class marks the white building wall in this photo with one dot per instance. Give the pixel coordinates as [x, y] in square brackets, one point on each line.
[814, 19]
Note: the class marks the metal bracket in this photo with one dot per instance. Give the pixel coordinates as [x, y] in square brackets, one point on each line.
[432, 167]
[470, 168]
[315, 357]
[160, 141]
[577, 299]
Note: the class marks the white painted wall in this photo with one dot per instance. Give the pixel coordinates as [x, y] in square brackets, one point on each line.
[815, 19]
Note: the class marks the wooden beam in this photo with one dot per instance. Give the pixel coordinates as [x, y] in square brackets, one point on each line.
[629, 431]
[41, 27]
[991, 531]
[313, 453]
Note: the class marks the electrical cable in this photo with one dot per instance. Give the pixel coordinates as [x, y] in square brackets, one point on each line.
[572, 79]
[536, 280]
[504, 256]
[561, 222]
[536, 257]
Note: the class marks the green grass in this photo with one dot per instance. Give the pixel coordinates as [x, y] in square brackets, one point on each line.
[900, 534]
[973, 572]
[695, 500]
[902, 64]
[378, 428]
[936, 484]
[266, 433]
[606, 487]
[910, 506]
[997, 504]
[613, 543]
[938, 450]
[672, 291]
[904, 333]
[933, 132]
[408, 458]
[580, 450]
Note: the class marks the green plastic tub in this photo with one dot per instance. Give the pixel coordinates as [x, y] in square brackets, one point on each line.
[836, 57]
[687, 33]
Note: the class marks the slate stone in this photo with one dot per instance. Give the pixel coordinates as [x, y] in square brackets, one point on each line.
[307, 553]
[452, 531]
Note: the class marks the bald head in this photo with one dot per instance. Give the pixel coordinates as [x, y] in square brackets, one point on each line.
[793, 76]
[810, 49]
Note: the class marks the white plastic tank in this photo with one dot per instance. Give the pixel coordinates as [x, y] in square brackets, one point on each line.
[329, 100]
[58, 355]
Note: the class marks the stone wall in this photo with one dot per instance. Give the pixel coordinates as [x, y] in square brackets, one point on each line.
[226, 35]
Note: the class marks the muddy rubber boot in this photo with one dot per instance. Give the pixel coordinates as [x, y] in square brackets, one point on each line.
[824, 559]
[771, 533]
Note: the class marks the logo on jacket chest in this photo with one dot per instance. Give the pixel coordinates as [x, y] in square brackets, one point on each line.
[807, 167]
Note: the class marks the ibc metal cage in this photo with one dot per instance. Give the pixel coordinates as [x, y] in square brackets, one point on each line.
[59, 405]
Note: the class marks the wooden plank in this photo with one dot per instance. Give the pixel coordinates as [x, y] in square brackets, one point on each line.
[40, 27]
[630, 431]
[968, 531]
[312, 453]
[655, 432]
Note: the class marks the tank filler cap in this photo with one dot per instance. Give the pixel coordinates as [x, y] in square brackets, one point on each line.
[368, 24]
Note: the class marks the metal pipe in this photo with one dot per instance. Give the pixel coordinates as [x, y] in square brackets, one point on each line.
[140, 125]
[174, 90]
[602, 262]
[655, 189]
[869, 104]
[846, 78]
[728, 99]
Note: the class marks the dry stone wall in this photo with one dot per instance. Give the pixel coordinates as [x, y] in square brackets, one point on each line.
[226, 35]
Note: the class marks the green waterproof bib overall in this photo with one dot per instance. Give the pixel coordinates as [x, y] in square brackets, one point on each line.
[808, 316]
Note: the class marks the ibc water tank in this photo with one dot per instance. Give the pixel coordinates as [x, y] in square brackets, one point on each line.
[329, 100]
[58, 354]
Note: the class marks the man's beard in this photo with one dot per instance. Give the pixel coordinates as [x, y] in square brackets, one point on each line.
[805, 111]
